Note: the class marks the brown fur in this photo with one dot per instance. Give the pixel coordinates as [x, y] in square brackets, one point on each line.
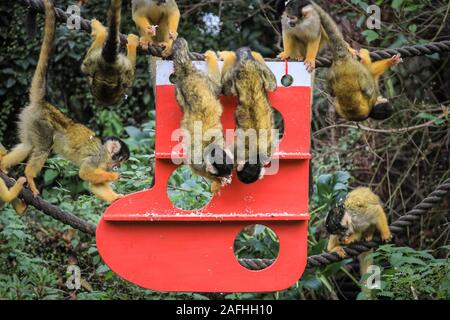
[353, 83]
[197, 94]
[151, 13]
[110, 72]
[250, 80]
[43, 129]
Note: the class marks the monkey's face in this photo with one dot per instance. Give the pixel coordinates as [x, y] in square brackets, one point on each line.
[296, 10]
[244, 54]
[219, 163]
[339, 222]
[382, 109]
[118, 151]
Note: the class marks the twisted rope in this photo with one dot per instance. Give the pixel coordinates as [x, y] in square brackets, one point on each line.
[52, 210]
[321, 62]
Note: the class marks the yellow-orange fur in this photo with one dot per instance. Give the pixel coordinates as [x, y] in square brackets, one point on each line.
[197, 94]
[354, 84]
[365, 215]
[44, 129]
[147, 14]
[254, 110]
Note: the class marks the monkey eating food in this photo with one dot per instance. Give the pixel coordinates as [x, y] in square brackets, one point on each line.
[11, 195]
[43, 129]
[110, 72]
[197, 94]
[303, 34]
[356, 219]
[246, 75]
[157, 21]
[354, 84]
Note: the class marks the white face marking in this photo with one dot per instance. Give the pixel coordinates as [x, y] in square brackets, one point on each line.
[211, 169]
[113, 147]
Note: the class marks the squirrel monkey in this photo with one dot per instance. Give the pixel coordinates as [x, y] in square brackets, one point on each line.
[246, 75]
[43, 129]
[11, 195]
[197, 94]
[354, 84]
[357, 219]
[110, 72]
[303, 34]
[157, 21]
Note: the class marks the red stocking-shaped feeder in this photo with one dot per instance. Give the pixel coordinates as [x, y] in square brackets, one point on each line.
[146, 240]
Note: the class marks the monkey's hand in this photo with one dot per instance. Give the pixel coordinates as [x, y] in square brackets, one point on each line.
[340, 251]
[133, 40]
[151, 30]
[21, 181]
[396, 59]
[167, 52]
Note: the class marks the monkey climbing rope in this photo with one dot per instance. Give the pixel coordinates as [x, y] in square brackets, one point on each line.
[256, 264]
[322, 62]
[319, 260]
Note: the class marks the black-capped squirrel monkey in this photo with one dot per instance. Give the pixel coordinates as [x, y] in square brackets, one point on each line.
[110, 72]
[197, 94]
[44, 129]
[157, 21]
[356, 219]
[353, 83]
[246, 75]
[303, 34]
[11, 195]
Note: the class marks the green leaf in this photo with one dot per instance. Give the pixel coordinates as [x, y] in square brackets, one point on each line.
[370, 35]
[396, 4]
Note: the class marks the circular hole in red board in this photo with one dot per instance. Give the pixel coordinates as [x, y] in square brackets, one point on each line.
[256, 242]
[188, 191]
[278, 122]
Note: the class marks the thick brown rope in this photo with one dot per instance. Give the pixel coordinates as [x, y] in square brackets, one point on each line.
[52, 210]
[322, 62]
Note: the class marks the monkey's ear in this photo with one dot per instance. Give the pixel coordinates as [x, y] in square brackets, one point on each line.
[113, 146]
[306, 11]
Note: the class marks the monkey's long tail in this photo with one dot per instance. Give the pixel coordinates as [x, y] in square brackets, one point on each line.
[39, 85]
[337, 43]
[111, 49]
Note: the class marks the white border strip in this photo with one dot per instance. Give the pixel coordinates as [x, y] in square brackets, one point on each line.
[302, 78]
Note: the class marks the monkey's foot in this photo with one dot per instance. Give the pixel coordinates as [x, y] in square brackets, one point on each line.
[167, 52]
[19, 206]
[97, 28]
[173, 35]
[396, 59]
[145, 42]
[210, 55]
[340, 251]
[133, 40]
[215, 187]
[310, 65]
[283, 56]
[386, 237]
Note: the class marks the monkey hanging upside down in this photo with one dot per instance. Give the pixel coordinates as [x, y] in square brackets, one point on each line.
[246, 75]
[197, 94]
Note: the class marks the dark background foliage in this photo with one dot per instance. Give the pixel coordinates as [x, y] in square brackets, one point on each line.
[401, 167]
